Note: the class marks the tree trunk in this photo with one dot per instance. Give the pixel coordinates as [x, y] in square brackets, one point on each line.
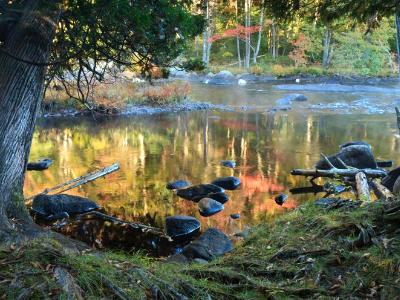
[327, 46]
[237, 37]
[273, 40]
[257, 50]
[21, 90]
[398, 40]
[247, 9]
[205, 37]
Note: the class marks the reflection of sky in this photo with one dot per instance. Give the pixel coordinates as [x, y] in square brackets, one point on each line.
[157, 149]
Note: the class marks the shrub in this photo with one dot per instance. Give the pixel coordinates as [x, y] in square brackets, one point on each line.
[194, 64]
[166, 93]
[298, 54]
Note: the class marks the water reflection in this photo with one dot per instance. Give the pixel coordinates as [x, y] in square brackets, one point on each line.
[157, 149]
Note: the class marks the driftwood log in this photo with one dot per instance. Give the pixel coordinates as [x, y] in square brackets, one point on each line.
[334, 172]
[362, 187]
[381, 191]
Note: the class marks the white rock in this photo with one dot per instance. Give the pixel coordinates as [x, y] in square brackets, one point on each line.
[297, 80]
[242, 82]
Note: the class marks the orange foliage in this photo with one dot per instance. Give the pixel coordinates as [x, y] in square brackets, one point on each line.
[298, 54]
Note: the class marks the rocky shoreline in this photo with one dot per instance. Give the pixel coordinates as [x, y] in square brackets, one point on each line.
[225, 77]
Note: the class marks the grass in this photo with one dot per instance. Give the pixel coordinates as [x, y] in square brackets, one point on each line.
[116, 96]
[307, 253]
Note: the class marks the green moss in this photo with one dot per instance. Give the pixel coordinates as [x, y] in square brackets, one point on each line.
[309, 252]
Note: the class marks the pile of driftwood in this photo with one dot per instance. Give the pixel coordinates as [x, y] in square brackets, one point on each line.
[361, 180]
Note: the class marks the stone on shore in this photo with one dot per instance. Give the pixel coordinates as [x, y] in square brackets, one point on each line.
[40, 165]
[182, 227]
[211, 244]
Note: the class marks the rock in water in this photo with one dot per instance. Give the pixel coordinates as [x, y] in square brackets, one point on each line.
[228, 163]
[62, 205]
[359, 143]
[228, 183]
[358, 156]
[197, 192]
[177, 184]
[220, 197]
[286, 100]
[182, 227]
[209, 207]
[212, 243]
[39, 165]
[235, 216]
[280, 199]
[389, 180]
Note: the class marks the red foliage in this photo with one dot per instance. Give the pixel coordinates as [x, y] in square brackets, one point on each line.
[240, 31]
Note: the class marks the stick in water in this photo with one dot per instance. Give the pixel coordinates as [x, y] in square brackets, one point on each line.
[73, 183]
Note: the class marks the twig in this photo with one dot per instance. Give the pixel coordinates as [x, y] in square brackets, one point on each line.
[328, 161]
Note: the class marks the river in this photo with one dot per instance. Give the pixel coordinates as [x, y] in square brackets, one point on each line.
[266, 145]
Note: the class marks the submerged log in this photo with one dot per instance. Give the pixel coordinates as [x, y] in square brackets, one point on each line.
[381, 191]
[362, 187]
[315, 173]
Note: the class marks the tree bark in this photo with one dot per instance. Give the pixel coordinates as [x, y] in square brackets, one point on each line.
[247, 11]
[327, 47]
[21, 90]
[206, 36]
[398, 40]
[237, 37]
[257, 50]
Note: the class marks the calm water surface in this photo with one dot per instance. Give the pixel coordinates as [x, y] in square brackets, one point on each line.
[153, 150]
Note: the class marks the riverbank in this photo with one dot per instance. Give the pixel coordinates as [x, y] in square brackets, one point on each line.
[343, 250]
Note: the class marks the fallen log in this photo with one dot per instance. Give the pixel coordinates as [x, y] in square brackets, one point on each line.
[315, 173]
[362, 187]
[381, 191]
[73, 183]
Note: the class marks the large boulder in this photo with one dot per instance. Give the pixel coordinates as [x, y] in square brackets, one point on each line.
[197, 192]
[177, 184]
[390, 179]
[228, 183]
[223, 77]
[360, 143]
[182, 227]
[48, 206]
[358, 156]
[212, 243]
[209, 207]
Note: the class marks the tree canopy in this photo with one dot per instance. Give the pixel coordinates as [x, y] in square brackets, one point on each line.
[93, 36]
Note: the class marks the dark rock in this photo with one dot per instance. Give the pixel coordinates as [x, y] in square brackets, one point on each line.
[220, 197]
[223, 77]
[209, 207]
[330, 188]
[212, 243]
[235, 216]
[391, 178]
[177, 258]
[396, 187]
[39, 165]
[182, 227]
[228, 183]
[197, 192]
[358, 156]
[280, 199]
[385, 163]
[61, 206]
[359, 143]
[177, 184]
[228, 163]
